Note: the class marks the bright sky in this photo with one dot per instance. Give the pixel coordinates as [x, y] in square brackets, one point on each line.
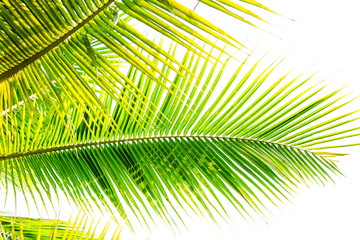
[324, 37]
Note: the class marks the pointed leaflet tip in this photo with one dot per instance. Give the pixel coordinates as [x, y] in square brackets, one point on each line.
[91, 52]
[116, 18]
[168, 4]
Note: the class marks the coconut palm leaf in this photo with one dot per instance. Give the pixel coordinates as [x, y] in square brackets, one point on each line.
[12, 227]
[31, 29]
[246, 138]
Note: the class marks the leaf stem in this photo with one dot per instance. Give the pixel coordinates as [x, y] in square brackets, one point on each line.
[83, 145]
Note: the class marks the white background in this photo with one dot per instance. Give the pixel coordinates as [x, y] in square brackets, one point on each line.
[324, 37]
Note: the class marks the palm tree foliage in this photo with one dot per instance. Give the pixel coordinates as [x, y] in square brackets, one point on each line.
[94, 109]
[32, 228]
[179, 147]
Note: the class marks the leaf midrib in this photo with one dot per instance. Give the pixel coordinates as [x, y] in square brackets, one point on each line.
[128, 140]
[10, 72]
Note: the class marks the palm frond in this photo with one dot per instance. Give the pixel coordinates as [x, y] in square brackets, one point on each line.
[29, 30]
[12, 227]
[248, 139]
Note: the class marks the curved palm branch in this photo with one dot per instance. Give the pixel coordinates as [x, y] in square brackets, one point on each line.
[32, 228]
[248, 140]
[29, 30]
